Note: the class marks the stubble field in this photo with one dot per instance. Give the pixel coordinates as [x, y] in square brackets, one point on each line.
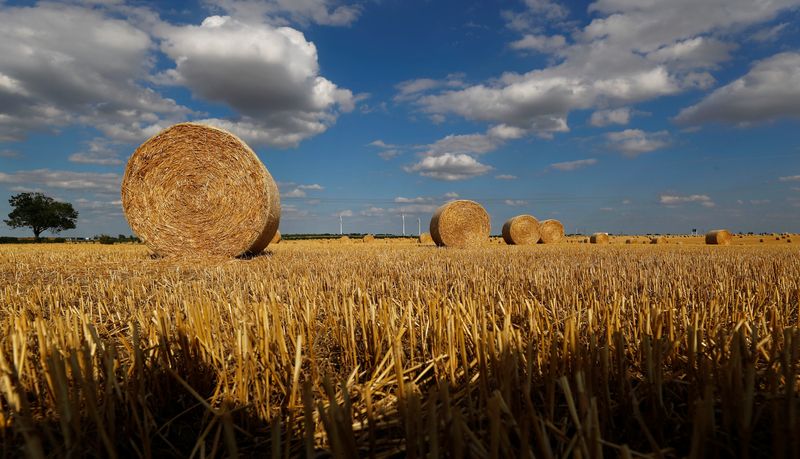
[399, 349]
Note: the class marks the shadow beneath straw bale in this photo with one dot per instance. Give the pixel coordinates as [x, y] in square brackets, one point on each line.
[254, 256]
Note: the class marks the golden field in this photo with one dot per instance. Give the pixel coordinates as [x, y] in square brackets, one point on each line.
[399, 349]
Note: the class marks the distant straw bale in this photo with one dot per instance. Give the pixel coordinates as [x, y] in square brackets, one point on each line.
[369, 238]
[550, 231]
[599, 238]
[194, 189]
[344, 239]
[719, 237]
[460, 223]
[628, 241]
[425, 238]
[521, 230]
[277, 238]
[658, 240]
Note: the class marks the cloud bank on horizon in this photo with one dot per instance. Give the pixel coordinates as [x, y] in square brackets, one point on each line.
[614, 115]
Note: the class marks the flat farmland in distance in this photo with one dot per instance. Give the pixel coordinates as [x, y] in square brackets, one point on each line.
[398, 349]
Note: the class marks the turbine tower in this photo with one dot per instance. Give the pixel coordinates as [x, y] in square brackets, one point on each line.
[340, 225]
[419, 226]
[404, 224]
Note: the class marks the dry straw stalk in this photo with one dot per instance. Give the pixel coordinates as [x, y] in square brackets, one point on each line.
[719, 237]
[521, 230]
[194, 189]
[551, 231]
[460, 223]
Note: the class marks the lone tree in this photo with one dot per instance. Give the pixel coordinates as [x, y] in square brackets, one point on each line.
[40, 213]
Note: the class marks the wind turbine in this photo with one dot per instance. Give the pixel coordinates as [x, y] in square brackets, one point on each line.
[419, 226]
[404, 224]
[340, 224]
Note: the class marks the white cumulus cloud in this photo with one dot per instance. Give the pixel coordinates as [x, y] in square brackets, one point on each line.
[572, 165]
[269, 75]
[449, 167]
[673, 200]
[634, 142]
[771, 89]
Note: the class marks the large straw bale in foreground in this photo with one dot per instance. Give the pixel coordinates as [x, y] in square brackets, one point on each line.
[195, 189]
[599, 238]
[460, 223]
[719, 237]
[550, 231]
[521, 230]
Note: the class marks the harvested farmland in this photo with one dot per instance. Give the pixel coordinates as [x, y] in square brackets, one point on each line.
[400, 349]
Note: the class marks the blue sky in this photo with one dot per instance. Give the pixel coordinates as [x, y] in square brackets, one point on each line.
[615, 115]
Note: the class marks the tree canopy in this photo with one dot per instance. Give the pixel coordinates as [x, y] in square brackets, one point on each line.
[40, 213]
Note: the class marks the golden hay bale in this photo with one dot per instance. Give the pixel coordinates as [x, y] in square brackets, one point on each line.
[761, 240]
[369, 238]
[719, 237]
[628, 241]
[195, 189]
[658, 240]
[277, 238]
[550, 231]
[521, 230]
[344, 239]
[599, 238]
[460, 223]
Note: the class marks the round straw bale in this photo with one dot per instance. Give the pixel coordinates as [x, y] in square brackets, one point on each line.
[521, 230]
[425, 238]
[277, 238]
[658, 240]
[628, 241]
[599, 238]
[460, 223]
[719, 237]
[344, 239]
[195, 189]
[369, 238]
[761, 240]
[550, 231]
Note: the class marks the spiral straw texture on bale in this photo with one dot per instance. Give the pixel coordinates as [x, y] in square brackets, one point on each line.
[460, 223]
[719, 237]
[521, 230]
[195, 189]
[550, 231]
[599, 238]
